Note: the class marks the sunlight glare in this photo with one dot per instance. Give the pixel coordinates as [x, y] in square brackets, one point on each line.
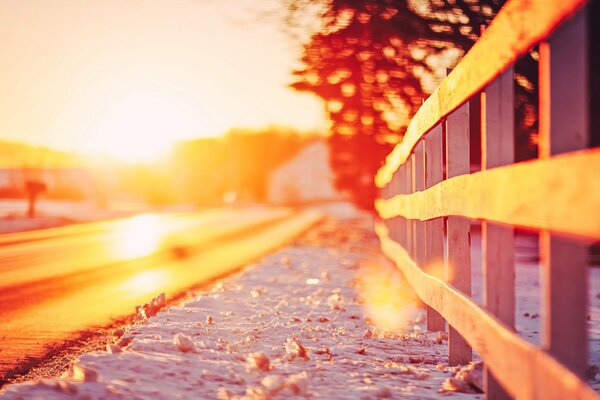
[140, 236]
[146, 282]
[139, 124]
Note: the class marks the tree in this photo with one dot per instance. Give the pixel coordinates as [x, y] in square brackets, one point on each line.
[373, 63]
[34, 188]
[240, 163]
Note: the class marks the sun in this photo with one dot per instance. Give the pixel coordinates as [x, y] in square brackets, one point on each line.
[141, 125]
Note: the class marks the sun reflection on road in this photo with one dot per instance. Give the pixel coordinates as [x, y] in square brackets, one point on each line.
[139, 236]
[146, 282]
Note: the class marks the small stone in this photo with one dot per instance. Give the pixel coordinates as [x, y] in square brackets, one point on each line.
[258, 361]
[468, 379]
[184, 343]
[113, 348]
[335, 301]
[295, 349]
[273, 384]
[456, 385]
[84, 374]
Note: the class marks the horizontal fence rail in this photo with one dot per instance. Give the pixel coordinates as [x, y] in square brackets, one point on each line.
[505, 195]
[429, 196]
[531, 372]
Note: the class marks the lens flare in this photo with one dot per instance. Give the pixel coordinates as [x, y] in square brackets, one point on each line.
[388, 300]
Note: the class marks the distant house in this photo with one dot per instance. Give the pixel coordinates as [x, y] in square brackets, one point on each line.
[305, 178]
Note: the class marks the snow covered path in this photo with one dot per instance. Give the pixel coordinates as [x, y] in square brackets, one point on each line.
[301, 322]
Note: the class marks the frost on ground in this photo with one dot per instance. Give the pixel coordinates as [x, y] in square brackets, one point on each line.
[327, 317]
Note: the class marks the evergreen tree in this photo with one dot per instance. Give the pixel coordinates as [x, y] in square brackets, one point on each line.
[374, 62]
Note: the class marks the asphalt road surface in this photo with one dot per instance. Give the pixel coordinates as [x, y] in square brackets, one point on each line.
[57, 283]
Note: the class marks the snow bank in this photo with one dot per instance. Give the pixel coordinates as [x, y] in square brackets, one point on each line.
[293, 325]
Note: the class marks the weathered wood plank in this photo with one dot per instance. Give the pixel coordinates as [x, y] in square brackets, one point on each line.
[458, 259]
[497, 242]
[419, 242]
[434, 229]
[498, 122]
[497, 245]
[409, 190]
[519, 26]
[529, 372]
[419, 185]
[458, 267]
[458, 135]
[504, 195]
[402, 190]
[564, 90]
[564, 127]
[394, 223]
[564, 266]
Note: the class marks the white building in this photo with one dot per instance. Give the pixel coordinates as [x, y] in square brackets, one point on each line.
[305, 178]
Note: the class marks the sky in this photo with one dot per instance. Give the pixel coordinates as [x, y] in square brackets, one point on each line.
[130, 77]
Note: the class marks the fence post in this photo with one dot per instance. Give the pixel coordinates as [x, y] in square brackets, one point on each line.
[384, 193]
[458, 260]
[564, 126]
[402, 190]
[434, 229]
[419, 185]
[419, 243]
[497, 142]
[393, 188]
[410, 237]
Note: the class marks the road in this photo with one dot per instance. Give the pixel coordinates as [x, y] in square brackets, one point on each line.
[59, 282]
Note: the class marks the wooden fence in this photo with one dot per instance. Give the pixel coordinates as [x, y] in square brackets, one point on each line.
[429, 197]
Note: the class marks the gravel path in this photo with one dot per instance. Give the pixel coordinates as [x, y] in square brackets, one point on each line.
[327, 317]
